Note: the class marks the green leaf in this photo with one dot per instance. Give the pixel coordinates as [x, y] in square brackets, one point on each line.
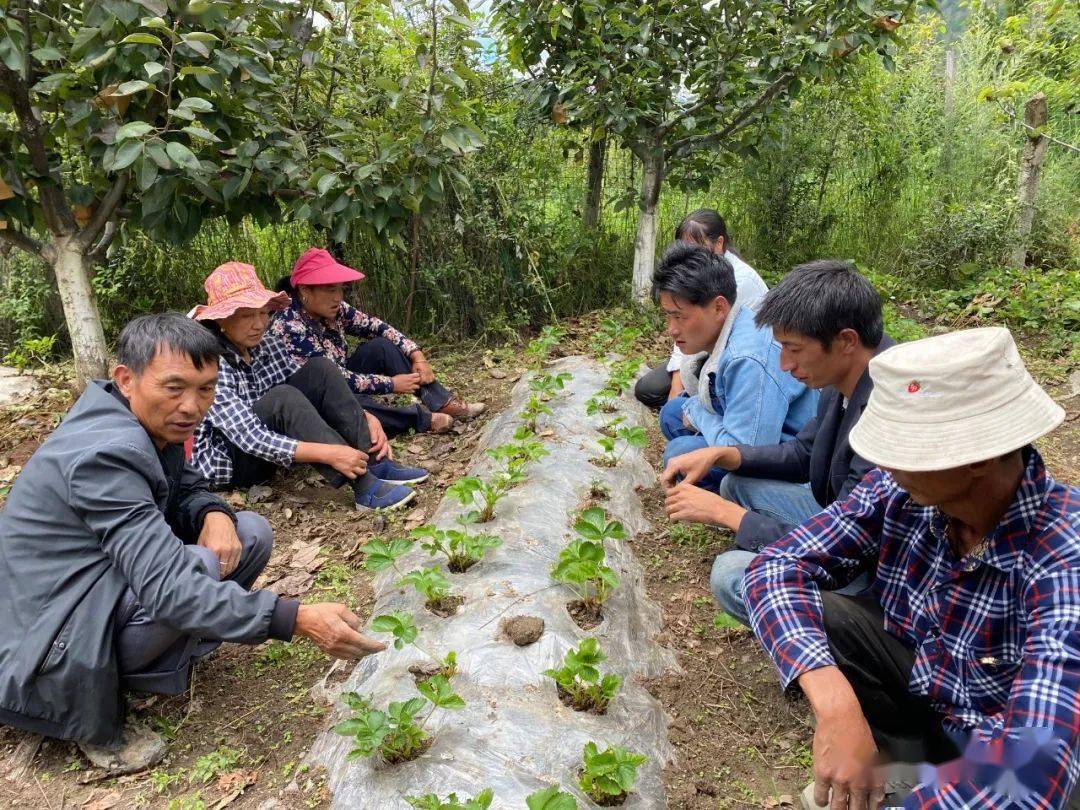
[437, 689]
[11, 53]
[140, 39]
[146, 172]
[196, 104]
[83, 38]
[47, 54]
[122, 156]
[135, 129]
[158, 8]
[199, 6]
[131, 88]
[197, 70]
[327, 182]
[198, 132]
[153, 69]
[551, 798]
[182, 156]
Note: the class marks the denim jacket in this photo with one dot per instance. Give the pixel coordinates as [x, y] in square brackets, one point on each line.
[754, 401]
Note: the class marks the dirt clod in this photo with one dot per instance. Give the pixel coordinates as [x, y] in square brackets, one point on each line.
[446, 607]
[523, 630]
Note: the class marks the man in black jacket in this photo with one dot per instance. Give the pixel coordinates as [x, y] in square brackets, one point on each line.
[827, 319]
[118, 566]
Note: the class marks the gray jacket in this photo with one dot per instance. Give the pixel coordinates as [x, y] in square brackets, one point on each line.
[92, 514]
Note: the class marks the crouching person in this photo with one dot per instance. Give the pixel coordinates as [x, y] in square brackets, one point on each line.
[269, 411]
[118, 567]
[966, 651]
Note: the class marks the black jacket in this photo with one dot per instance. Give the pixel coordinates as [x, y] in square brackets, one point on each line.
[95, 511]
[820, 454]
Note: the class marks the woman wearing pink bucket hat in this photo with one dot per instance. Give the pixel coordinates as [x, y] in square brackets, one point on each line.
[268, 412]
[316, 324]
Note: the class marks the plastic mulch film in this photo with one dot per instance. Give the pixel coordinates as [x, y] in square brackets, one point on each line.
[515, 735]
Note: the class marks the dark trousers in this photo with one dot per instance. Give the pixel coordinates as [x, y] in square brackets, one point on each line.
[380, 356]
[154, 657]
[653, 389]
[313, 405]
[905, 727]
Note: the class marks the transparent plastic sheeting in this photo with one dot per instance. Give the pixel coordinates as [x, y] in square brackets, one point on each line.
[515, 735]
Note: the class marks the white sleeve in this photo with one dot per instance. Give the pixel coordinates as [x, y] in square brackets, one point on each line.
[675, 363]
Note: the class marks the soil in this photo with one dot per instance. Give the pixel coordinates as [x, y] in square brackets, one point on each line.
[581, 704]
[523, 630]
[586, 615]
[398, 759]
[425, 672]
[603, 461]
[447, 606]
[459, 565]
[237, 738]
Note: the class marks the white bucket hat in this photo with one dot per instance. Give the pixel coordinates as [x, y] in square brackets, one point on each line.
[951, 400]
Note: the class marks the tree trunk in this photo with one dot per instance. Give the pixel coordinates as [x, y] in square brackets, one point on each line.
[1035, 115]
[595, 184]
[72, 268]
[652, 176]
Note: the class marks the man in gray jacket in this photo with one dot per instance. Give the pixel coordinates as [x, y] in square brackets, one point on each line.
[118, 566]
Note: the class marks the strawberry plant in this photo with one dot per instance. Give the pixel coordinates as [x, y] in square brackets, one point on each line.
[579, 680]
[517, 454]
[533, 410]
[623, 374]
[550, 798]
[607, 777]
[538, 350]
[603, 401]
[433, 585]
[631, 437]
[472, 491]
[403, 628]
[396, 734]
[611, 335]
[608, 428]
[430, 801]
[548, 385]
[593, 524]
[582, 568]
[462, 549]
[382, 554]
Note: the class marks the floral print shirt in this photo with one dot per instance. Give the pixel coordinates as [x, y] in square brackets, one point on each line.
[305, 336]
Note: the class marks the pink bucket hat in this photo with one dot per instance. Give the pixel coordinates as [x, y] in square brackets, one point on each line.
[233, 286]
[317, 266]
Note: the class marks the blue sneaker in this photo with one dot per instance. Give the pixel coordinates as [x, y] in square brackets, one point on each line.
[383, 496]
[387, 470]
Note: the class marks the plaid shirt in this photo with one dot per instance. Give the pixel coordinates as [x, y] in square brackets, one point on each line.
[306, 337]
[996, 634]
[231, 421]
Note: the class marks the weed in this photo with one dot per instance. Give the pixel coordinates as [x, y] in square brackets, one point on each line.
[579, 680]
[723, 621]
[213, 764]
[192, 802]
[162, 780]
[335, 579]
[694, 535]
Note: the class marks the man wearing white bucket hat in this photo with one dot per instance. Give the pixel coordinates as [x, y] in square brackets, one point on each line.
[968, 647]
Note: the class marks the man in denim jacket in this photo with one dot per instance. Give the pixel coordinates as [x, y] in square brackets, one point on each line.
[739, 395]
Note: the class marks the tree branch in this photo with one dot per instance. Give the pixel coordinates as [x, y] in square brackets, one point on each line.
[104, 212]
[107, 236]
[24, 242]
[737, 123]
[57, 212]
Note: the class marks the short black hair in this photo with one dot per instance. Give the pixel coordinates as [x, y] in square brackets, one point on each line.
[693, 273]
[145, 336]
[821, 298]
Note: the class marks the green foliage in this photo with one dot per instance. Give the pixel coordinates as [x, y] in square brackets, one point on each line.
[31, 352]
[580, 679]
[382, 554]
[623, 373]
[548, 385]
[550, 798]
[473, 491]
[609, 773]
[461, 548]
[635, 437]
[431, 801]
[400, 625]
[430, 583]
[593, 524]
[603, 401]
[613, 335]
[533, 410]
[212, 765]
[539, 349]
[723, 621]
[396, 733]
[581, 566]
[519, 453]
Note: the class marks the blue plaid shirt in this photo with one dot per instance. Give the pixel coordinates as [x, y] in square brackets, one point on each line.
[231, 421]
[996, 634]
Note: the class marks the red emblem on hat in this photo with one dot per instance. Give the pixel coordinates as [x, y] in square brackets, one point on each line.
[913, 387]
